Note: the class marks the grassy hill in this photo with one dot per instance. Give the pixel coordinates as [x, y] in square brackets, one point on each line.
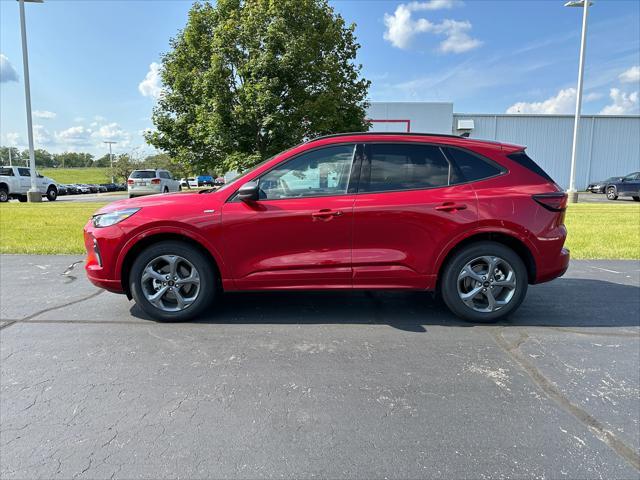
[77, 175]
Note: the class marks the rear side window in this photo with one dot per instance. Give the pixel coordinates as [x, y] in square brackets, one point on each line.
[470, 167]
[524, 161]
[399, 166]
[143, 174]
[164, 175]
[8, 172]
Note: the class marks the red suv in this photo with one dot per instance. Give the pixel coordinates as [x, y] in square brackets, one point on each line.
[476, 221]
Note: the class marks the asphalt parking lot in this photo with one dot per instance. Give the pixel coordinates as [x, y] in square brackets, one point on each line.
[305, 385]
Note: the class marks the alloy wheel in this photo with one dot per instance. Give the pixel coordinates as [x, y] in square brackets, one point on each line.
[170, 283]
[487, 284]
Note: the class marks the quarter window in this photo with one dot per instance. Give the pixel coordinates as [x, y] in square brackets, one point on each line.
[405, 167]
[470, 167]
[317, 173]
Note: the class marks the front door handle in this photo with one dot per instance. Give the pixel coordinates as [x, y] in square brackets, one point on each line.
[326, 213]
[451, 207]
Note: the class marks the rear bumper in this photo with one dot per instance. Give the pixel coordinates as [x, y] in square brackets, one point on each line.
[146, 190]
[557, 268]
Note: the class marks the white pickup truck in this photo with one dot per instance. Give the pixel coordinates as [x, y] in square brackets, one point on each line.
[15, 182]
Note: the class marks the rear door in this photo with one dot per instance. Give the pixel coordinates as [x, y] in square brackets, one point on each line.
[298, 234]
[406, 210]
[25, 179]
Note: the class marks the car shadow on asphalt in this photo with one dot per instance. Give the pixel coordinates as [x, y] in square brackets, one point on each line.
[562, 303]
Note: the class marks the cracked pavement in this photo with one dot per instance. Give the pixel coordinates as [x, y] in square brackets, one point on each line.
[329, 385]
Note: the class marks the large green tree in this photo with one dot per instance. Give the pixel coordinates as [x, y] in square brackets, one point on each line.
[246, 79]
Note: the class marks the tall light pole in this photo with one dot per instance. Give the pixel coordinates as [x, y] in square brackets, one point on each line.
[110, 158]
[573, 194]
[33, 195]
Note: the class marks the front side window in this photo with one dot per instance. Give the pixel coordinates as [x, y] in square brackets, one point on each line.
[321, 172]
[633, 176]
[400, 166]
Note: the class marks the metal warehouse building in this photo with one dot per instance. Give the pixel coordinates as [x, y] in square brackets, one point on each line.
[609, 145]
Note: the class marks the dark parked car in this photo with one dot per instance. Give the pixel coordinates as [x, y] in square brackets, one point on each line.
[110, 187]
[629, 186]
[473, 220]
[599, 187]
[62, 189]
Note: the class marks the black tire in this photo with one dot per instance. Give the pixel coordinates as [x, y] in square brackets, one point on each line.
[132, 196]
[636, 199]
[165, 190]
[206, 273]
[52, 194]
[612, 194]
[4, 195]
[22, 198]
[451, 272]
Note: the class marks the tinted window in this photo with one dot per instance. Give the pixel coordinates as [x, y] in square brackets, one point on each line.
[524, 161]
[143, 174]
[321, 172]
[470, 167]
[24, 172]
[633, 176]
[405, 167]
[6, 171]
[164, 175]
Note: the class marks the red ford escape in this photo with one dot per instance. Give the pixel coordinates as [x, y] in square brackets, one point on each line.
[476, 221]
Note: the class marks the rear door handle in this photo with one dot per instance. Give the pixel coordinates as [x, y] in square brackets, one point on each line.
[326, 213]
[451, 206]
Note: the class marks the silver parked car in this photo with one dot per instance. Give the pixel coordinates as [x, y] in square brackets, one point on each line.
[149, 182]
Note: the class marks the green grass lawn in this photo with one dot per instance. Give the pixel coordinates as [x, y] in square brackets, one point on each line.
[45, 227]
[595, 230]
[77, 175]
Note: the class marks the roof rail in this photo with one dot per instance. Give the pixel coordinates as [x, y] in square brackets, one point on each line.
[407, 134]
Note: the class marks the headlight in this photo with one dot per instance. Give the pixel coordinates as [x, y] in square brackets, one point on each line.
[111, 218]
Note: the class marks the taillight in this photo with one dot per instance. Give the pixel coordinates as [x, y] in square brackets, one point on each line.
[129, 182]
[555, 201]
[155, 181]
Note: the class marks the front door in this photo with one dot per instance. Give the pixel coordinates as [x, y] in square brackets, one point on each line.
[298, 234]
[630, 185]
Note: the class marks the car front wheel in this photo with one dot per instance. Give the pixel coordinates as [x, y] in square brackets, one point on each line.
[611, 193]
[484, 282]
[172, 281]
[52, 194]
[636, 199]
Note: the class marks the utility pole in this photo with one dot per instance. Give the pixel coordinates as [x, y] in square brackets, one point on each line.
[33, 195]
[573, 194]
[10, 164]
[111, 158]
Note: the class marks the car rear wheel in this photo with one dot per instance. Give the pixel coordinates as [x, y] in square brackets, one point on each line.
[52, 194]
[611, 193]
[484, 282]
[172, 281]
[165, 190]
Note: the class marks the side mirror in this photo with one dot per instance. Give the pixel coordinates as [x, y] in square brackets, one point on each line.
[249, 192]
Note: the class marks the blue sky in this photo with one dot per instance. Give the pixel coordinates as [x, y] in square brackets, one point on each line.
[89, 61]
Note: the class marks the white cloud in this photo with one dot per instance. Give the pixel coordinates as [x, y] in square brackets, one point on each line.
[402, 27]
[151, 86]
[630, 76]
[7, 72]
[41, 135]
[622, 103]
[112, 132]
[13, 138]
[563, 102]
[44, 114]
[78, 119]
[99, 118]
[77, 135]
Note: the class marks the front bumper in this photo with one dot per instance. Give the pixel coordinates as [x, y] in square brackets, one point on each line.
[103, 245]
[595, 188]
